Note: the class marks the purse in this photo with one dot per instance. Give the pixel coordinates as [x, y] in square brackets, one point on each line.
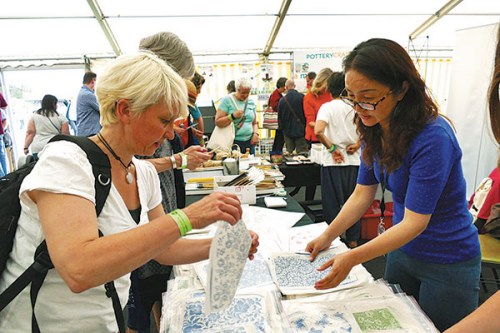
[270, 119]
[222, 137]
[492, 225]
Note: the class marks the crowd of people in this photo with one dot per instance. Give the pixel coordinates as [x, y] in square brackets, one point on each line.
[378, 125]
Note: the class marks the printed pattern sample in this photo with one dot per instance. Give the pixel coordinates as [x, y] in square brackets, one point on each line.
[243, 312]
[227, 258]
[317, 318]
[376, 319]
[297, 271]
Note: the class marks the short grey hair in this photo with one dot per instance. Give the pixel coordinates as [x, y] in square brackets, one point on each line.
[143, 80]
[243, 82]
[170, 48]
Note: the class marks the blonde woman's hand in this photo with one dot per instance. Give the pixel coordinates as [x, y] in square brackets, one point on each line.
[217, 206]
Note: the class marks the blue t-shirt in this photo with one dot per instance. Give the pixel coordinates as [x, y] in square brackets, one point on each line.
[430, 181]
[227, 105]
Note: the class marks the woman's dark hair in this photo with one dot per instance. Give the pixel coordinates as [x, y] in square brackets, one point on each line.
[48, 108]
[388, 63]
[336, 83]
[493, 98]
[281, 82]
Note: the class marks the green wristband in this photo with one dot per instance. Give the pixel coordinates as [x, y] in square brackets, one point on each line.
[182, 221]
[184, 159]
[332, 148]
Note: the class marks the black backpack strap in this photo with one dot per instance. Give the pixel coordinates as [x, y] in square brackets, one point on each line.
[117, 307]
[40, 267]
[100, 166]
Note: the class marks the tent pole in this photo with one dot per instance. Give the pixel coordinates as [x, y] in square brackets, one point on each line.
[104, 26]
[277, 25]
[434, 18]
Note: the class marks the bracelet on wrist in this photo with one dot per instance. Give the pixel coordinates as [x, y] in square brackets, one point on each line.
[332, 148]
[184, 159]
[255, 133]
[182, 221]
[174, 162]
[231, 117]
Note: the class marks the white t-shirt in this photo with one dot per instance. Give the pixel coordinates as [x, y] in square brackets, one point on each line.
[340, 129]
[64, 168]
[46, 128]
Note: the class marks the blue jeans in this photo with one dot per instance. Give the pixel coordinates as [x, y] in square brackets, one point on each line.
[244, 145]
[3, 158]
[446, 292]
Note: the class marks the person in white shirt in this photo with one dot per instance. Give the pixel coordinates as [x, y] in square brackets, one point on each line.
[336, 130]
[43, 125]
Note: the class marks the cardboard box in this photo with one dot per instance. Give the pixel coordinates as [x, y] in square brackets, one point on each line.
[246, 194]
[371, 219]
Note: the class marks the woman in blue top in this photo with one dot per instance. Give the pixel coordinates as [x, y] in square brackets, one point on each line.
[433, 246]
[238, 109]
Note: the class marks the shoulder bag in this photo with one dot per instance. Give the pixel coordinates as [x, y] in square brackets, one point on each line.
[223, 137]
[270, 119]
[492, 225]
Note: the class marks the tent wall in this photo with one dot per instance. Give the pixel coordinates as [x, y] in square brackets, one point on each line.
[473, 63]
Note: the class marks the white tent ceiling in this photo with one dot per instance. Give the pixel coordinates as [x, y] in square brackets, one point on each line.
[57, 30]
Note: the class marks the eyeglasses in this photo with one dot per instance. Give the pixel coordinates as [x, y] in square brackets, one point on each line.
[363, 105]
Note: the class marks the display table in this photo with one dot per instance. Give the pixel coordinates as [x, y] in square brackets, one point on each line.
[275, 291]
[292, 206]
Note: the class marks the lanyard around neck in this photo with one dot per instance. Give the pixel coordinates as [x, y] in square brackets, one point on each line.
[382, 201]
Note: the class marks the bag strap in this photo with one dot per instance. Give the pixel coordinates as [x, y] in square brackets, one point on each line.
[58, 130]
[242, 121]
[293, 111]
[381, 225]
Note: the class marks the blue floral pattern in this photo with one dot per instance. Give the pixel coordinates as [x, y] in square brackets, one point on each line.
[227, 258]
[243, 312]
[295, 270]
[317, 318]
